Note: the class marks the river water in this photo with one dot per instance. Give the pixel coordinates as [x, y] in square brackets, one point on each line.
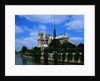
[24, 60]
[21, 60]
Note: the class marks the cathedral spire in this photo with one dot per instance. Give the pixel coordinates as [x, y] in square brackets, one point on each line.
[54, 30]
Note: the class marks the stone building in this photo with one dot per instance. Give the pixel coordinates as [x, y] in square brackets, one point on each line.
[45, 39]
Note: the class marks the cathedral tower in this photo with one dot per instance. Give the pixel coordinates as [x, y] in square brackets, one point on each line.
[40, 39]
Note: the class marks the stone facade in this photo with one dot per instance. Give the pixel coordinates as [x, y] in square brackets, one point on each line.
[45, 39]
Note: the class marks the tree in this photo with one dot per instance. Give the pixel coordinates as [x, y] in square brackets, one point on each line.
[51, 48]
[24, 49]
[63, 56]
[55, 57]
[46, 50]
[37, 56]
[36, 48]
[29, 50]
[80, 45]
[15, 51]
[67, 45]
[59, 51]
[76, 56]
[82, 57]
[36, 53]
[69, 56]
[71, 50]
[70, 45]
[20, 51]
[46, 55]
[55, 44]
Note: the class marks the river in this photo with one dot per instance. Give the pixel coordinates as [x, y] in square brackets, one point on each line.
[24, 60]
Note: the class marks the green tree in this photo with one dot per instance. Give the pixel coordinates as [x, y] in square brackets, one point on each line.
[80, 45]
[24, 49]
[20, 51]
[63, 56]
[80, 48]
[59, 51]
[76, 56]
[82, 57]
[15, 51]
[67, 45]
[55, 44]
[46, 55]
[46, 50]
[70, 45]
[51, 48]
[37, 56]
[29, 50]
[36, 53]
[36, 48]
[55, 57]
[69, 56]
[71, 50]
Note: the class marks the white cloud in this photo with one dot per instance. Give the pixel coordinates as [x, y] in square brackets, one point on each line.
[39, 28]
[28, 29]
[75, 23]
[33, 34]
[46, 18]
[80, 30]
[76, 38]
[18, 29]
[79, 17]
[31, 40]
[42, 27]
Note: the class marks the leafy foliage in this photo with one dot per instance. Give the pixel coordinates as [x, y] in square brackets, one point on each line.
[63, 56]
[76, 56]
[80, 45]
[45, 56]
[24, 49]
[67, 45]
[69, 56]
[55, 57]
[82, 57]
[55, 44]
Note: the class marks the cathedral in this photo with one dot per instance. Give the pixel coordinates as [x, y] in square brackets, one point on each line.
[45, 39]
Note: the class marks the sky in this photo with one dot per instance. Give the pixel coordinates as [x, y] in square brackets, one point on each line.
[27, 28]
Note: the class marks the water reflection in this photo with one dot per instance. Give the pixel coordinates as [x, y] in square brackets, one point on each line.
[25, 60]
[22, 60]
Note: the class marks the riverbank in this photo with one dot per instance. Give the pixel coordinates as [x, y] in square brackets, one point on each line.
[30, 61]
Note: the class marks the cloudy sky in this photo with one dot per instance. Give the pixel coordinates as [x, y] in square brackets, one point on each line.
[28, 26]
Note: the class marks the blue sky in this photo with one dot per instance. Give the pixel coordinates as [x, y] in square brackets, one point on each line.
[28, 26]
